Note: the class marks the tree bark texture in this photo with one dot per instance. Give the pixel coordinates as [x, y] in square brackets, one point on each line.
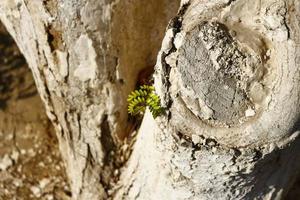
[85, 57]
[227, 75]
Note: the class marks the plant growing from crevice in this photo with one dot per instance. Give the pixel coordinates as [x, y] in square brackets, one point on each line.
[144, 97]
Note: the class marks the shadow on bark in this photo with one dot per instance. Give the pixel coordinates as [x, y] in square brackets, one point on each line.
[276, 178]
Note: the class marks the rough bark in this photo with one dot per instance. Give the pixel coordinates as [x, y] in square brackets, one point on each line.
[85, 57]
[227, 75]
[30, 161]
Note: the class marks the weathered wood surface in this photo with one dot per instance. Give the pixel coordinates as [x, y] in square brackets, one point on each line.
[227, 74]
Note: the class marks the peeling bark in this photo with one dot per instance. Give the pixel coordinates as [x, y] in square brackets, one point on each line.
[227, 75]
[85, 57]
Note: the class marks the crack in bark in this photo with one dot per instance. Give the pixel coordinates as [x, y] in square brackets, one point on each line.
[79, 126]
[108, 144]
[175, 24]
[230, 2]
[69, 133]
[285, 22]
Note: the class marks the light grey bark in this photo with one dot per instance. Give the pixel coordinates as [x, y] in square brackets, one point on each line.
[227, 75]
[85, 57]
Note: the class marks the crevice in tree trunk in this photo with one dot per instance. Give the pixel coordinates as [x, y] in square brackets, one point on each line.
[201, 163]
[221, 75]
[86, 67]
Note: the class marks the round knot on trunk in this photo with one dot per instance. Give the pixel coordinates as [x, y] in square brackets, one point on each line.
[216, 73]
[226, 79]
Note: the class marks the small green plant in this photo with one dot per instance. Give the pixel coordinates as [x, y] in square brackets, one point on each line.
[145, 96]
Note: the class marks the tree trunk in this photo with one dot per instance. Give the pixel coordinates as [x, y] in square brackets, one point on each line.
[85, 57]
[227, 75]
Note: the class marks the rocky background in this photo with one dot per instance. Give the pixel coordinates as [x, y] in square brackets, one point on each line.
[30, 163]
